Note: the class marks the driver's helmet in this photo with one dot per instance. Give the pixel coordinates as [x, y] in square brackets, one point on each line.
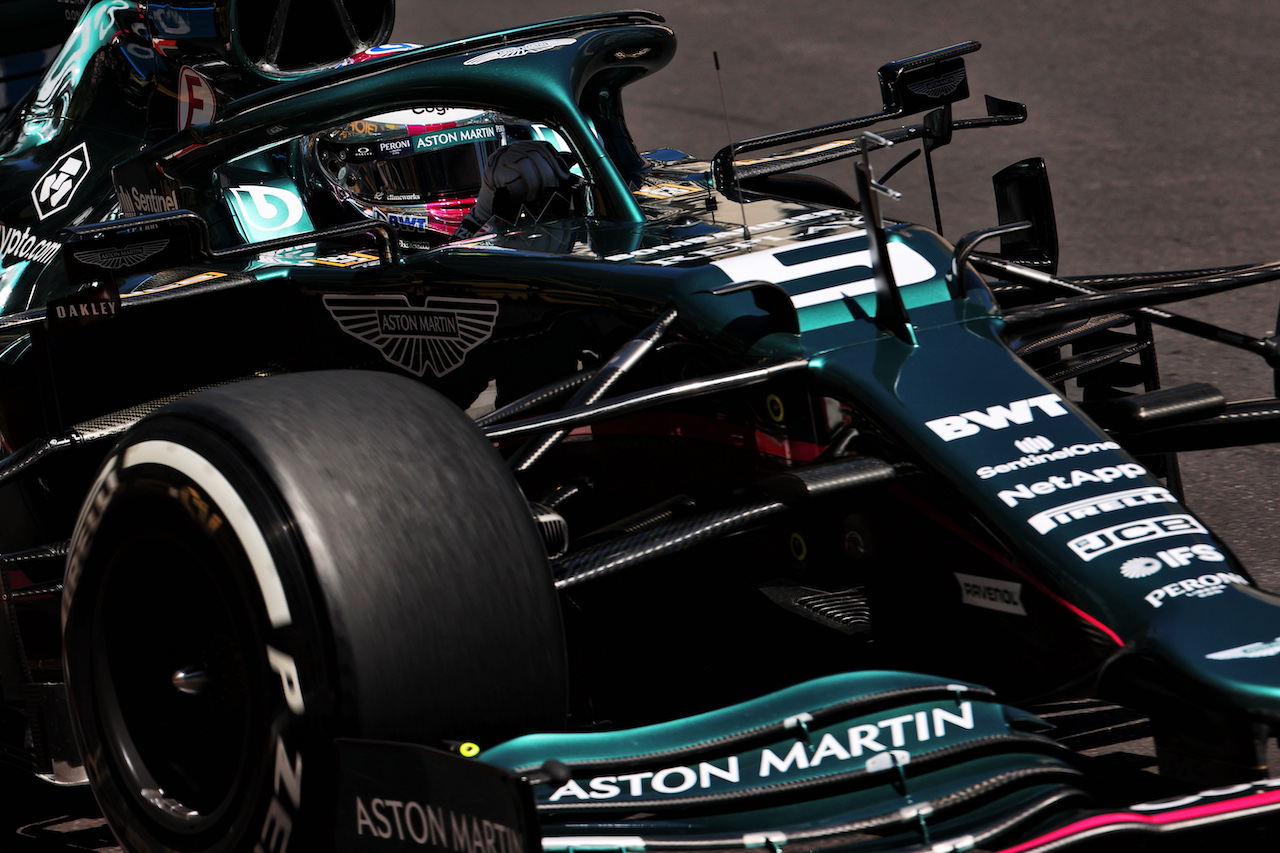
[416, 169]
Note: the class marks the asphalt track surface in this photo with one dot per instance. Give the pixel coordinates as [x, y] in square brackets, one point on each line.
[1159, 124]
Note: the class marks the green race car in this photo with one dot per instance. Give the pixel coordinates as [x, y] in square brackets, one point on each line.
[396, 456]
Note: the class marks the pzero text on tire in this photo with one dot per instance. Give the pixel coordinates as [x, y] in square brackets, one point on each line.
[264, 567]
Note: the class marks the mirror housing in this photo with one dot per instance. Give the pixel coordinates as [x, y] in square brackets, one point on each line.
[1023, 194]
[281, 39]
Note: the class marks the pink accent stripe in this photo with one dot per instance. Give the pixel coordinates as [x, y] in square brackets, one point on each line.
[1175, 816]
[921, 506]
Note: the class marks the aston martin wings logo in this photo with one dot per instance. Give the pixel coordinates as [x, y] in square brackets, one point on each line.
[940, 86]
[437, 335]
[122, 256]
[1269, 648]
[519, 50]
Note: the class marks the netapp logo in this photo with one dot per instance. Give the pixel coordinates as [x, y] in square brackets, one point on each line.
[1048, 486]
[996, 417]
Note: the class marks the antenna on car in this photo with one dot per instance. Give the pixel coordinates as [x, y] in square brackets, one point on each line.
[724, 108]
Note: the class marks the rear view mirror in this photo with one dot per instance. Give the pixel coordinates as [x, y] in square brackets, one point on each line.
[283, 38]
[1023, 194]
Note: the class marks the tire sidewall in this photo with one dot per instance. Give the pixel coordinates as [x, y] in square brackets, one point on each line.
[237, 520]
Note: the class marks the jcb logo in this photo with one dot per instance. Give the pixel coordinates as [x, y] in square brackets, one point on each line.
[996, 417]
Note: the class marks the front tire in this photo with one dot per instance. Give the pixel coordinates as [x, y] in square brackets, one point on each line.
[264, 567]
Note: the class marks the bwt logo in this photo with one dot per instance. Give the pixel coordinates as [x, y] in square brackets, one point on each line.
[1034, 444]
[998, 417]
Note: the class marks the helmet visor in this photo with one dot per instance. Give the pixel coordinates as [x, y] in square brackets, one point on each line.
[423, 167]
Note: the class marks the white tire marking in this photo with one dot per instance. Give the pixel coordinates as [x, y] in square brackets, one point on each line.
[199, 470]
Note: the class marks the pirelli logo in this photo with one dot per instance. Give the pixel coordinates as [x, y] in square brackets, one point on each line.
[1050, 519]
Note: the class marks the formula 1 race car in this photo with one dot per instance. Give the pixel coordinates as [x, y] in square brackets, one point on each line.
[466, 479]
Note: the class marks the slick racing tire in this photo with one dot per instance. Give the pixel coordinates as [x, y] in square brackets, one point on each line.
[264, 567]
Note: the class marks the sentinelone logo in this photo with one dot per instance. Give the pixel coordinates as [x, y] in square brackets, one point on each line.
[1029, 445]
[137, 202]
